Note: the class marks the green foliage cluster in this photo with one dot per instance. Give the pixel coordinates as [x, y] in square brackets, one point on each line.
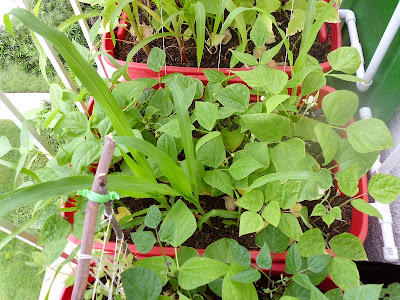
[251, 152]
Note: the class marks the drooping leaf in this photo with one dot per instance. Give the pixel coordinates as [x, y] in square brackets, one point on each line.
[5, 146]
[232, 140]
[153, 217]
[236, 96]
[340, 106]
[220, 180]
[267, 127]
[290, 226]
[263, 77]
[311, 243]
[317, 263]
[348, 180]
[369, 135]
[345, 59]
[366, 208]
[252, 201]
[259, 151]
[247, 276]
[296, 23]
[178, 225]
[328, 139]
[367, 291]
[276, 240]
[344, 273]
[220, 250]
[264, 259]
[259, 33]
[272, 213]
[206, 114]
[243, 167]
[287, 154]
[55, 228]
[158, 265]
[212, 153]
[143, 240]
[185, 253]
[346, 156]
[236, 290]
[198, 271]
[250, 222]
[293, 259]
[141, 283]
[348, 246]
[156, 59]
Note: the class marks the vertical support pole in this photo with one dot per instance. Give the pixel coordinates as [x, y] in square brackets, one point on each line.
[100, 187]
[85, 29]
[19, 119]
[57, 64]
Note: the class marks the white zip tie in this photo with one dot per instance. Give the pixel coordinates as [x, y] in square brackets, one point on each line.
[85, 256]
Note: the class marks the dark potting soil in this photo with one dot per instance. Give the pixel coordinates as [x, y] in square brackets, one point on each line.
[210, 57]
[338, 226]
[201, 239]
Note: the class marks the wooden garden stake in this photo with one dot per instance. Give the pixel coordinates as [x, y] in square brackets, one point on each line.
[100, 187]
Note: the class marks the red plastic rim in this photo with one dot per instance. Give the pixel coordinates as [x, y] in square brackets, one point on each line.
[276, 270]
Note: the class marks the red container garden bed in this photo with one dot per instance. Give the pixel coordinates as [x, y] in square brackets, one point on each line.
[140, 70]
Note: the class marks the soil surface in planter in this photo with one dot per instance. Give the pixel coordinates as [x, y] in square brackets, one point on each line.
[201, 239]
[211, 56]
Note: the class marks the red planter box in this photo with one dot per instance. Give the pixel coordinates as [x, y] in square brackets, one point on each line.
[276, 270]
[139, 70]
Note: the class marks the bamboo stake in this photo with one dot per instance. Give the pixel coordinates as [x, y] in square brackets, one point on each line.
[99, 186]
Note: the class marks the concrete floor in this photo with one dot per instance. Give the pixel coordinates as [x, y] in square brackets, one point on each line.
[24, 102]
[373, 244]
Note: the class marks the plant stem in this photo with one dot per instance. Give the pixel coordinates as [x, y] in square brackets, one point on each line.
[116, 226]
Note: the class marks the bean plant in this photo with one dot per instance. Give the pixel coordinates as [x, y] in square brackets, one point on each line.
[178, 139]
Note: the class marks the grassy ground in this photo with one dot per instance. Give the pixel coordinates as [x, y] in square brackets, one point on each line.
[17, 280]
[15, 80]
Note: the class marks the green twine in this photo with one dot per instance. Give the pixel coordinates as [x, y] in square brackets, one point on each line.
[98, 198]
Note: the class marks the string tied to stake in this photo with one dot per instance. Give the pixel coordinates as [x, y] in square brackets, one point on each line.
[98, 198]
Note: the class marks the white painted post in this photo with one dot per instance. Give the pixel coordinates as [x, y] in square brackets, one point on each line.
[24, 236]
[85, 29]
[57, 64]
[18, 118]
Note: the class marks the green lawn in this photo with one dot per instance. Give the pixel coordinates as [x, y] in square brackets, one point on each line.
[15, 80]
[17, 280]
[10, 130]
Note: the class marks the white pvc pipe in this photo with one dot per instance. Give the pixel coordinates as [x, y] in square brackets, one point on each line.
[381, 50]
[350, 18]
[390, 252]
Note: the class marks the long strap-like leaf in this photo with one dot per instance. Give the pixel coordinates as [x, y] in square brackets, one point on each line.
[175, 175]
[295, 175]
[123, 184]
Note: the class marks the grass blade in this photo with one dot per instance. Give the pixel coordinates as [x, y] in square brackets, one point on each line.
[176, 176]
[200, 14]
[185, 127]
